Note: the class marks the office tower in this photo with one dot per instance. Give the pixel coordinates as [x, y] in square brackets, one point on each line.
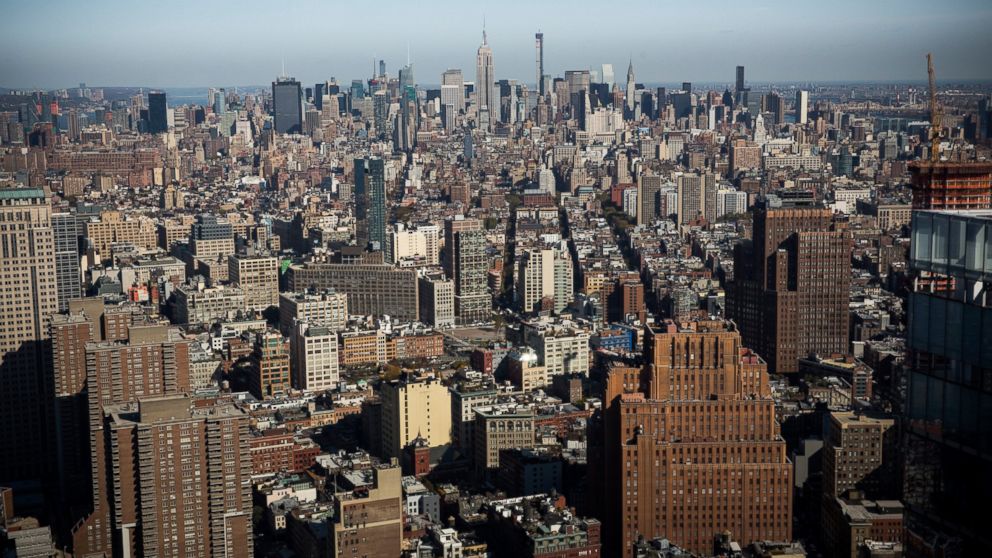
[370, 202]
[539, 45]
[802, 106]
[648, 189]
[406, 78]
[179, 477]
[287, 106]
[562, 349]
[578, 87]
[30, 295]
[210, 237]
[453, 89]
[790, 290]
[315, 365]
[67, 273]
[326, 308]
[437, 300]
[319, 90]
[258, 278]
[270, 374]
[415, 408]
[775, 104]
[382, 68]
[687, 86]
[858, 454]
[948, 443]
[149, 361]
[357, 91]
[485, 79]
[466, 264]
[158, 115]
[740, 80]
[368, 519]
[544, 280]
[692, 447]
[372, 289]
[220, 102]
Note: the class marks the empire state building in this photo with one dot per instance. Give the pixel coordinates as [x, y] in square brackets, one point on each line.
[485, 79]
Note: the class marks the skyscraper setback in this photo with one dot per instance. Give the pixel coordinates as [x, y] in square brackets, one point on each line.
[790, 290]
[692, 446]
[485, 81]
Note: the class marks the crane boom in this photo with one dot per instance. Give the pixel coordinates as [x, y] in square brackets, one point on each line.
[935, 113]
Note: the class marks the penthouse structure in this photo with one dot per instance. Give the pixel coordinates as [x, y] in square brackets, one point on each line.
[692, 447]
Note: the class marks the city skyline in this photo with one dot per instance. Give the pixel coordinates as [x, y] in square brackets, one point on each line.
[878, 45]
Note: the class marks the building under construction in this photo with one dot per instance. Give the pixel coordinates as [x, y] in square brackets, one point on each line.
[951, 185]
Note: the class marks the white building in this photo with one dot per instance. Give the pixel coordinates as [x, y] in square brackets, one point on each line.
[314, 351]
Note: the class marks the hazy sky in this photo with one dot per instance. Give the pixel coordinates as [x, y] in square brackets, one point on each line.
[59, 43]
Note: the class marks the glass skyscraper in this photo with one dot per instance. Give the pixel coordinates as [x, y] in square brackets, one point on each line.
[287, 106]
[158, 116]
[370, 202]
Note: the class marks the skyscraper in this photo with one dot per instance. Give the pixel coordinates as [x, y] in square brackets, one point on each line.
[630, 89]
[465, 262]
[740, 79]
[802, 106]
[539, 45]
[692, 447]
[790, 290]
[287, 106]
[948, 442]
[370, 202]
[453, 89]
[67, 274]
[158, 114]
[485, 80]
[30, 295]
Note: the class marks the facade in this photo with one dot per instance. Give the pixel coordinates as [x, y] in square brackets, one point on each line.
[158, 113]
[372, 289]
[802, 107]
[858, 454]
[180, 477]
[258, 277]
[368, 520]
[138, 363]
[790, 290]
[315, 363]
[544, 274]
[270, 368]
[287, 106]
[499, 428]
[692, 446]
[413, 408]
[30, 293]
[437, 300]
[196, 303]
[67, 273]
[370, 202]
[561, 349]
[948, 436]
[326, 308]
[947, 185]
[467, 265]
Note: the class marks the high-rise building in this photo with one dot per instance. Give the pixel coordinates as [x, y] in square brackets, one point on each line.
[326, 308]
[437, 300]
[179, 477]
[258, 277]
[485, 80]
[692, 446]
[543, 275]
[802, 106]
[287, 106]
[467, 265]
[539, 45]
[270, 369]
[453, 89]
[158, 113]
[740, 80]
[315, 365]
[368, 518]
[951, 185]
[948, 442]
[370, 202]
[414, 408]
[858, 454]
[134, 363]
[608, 77]
[67, 273]
[372, 289]
[790, 290]
[30, 296]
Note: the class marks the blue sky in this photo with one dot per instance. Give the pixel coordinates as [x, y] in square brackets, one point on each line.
[55, 43]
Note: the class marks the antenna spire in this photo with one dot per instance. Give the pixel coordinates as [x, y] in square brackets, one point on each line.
[484, 41]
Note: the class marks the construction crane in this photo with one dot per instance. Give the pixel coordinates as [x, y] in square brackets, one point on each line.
[936, 115]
